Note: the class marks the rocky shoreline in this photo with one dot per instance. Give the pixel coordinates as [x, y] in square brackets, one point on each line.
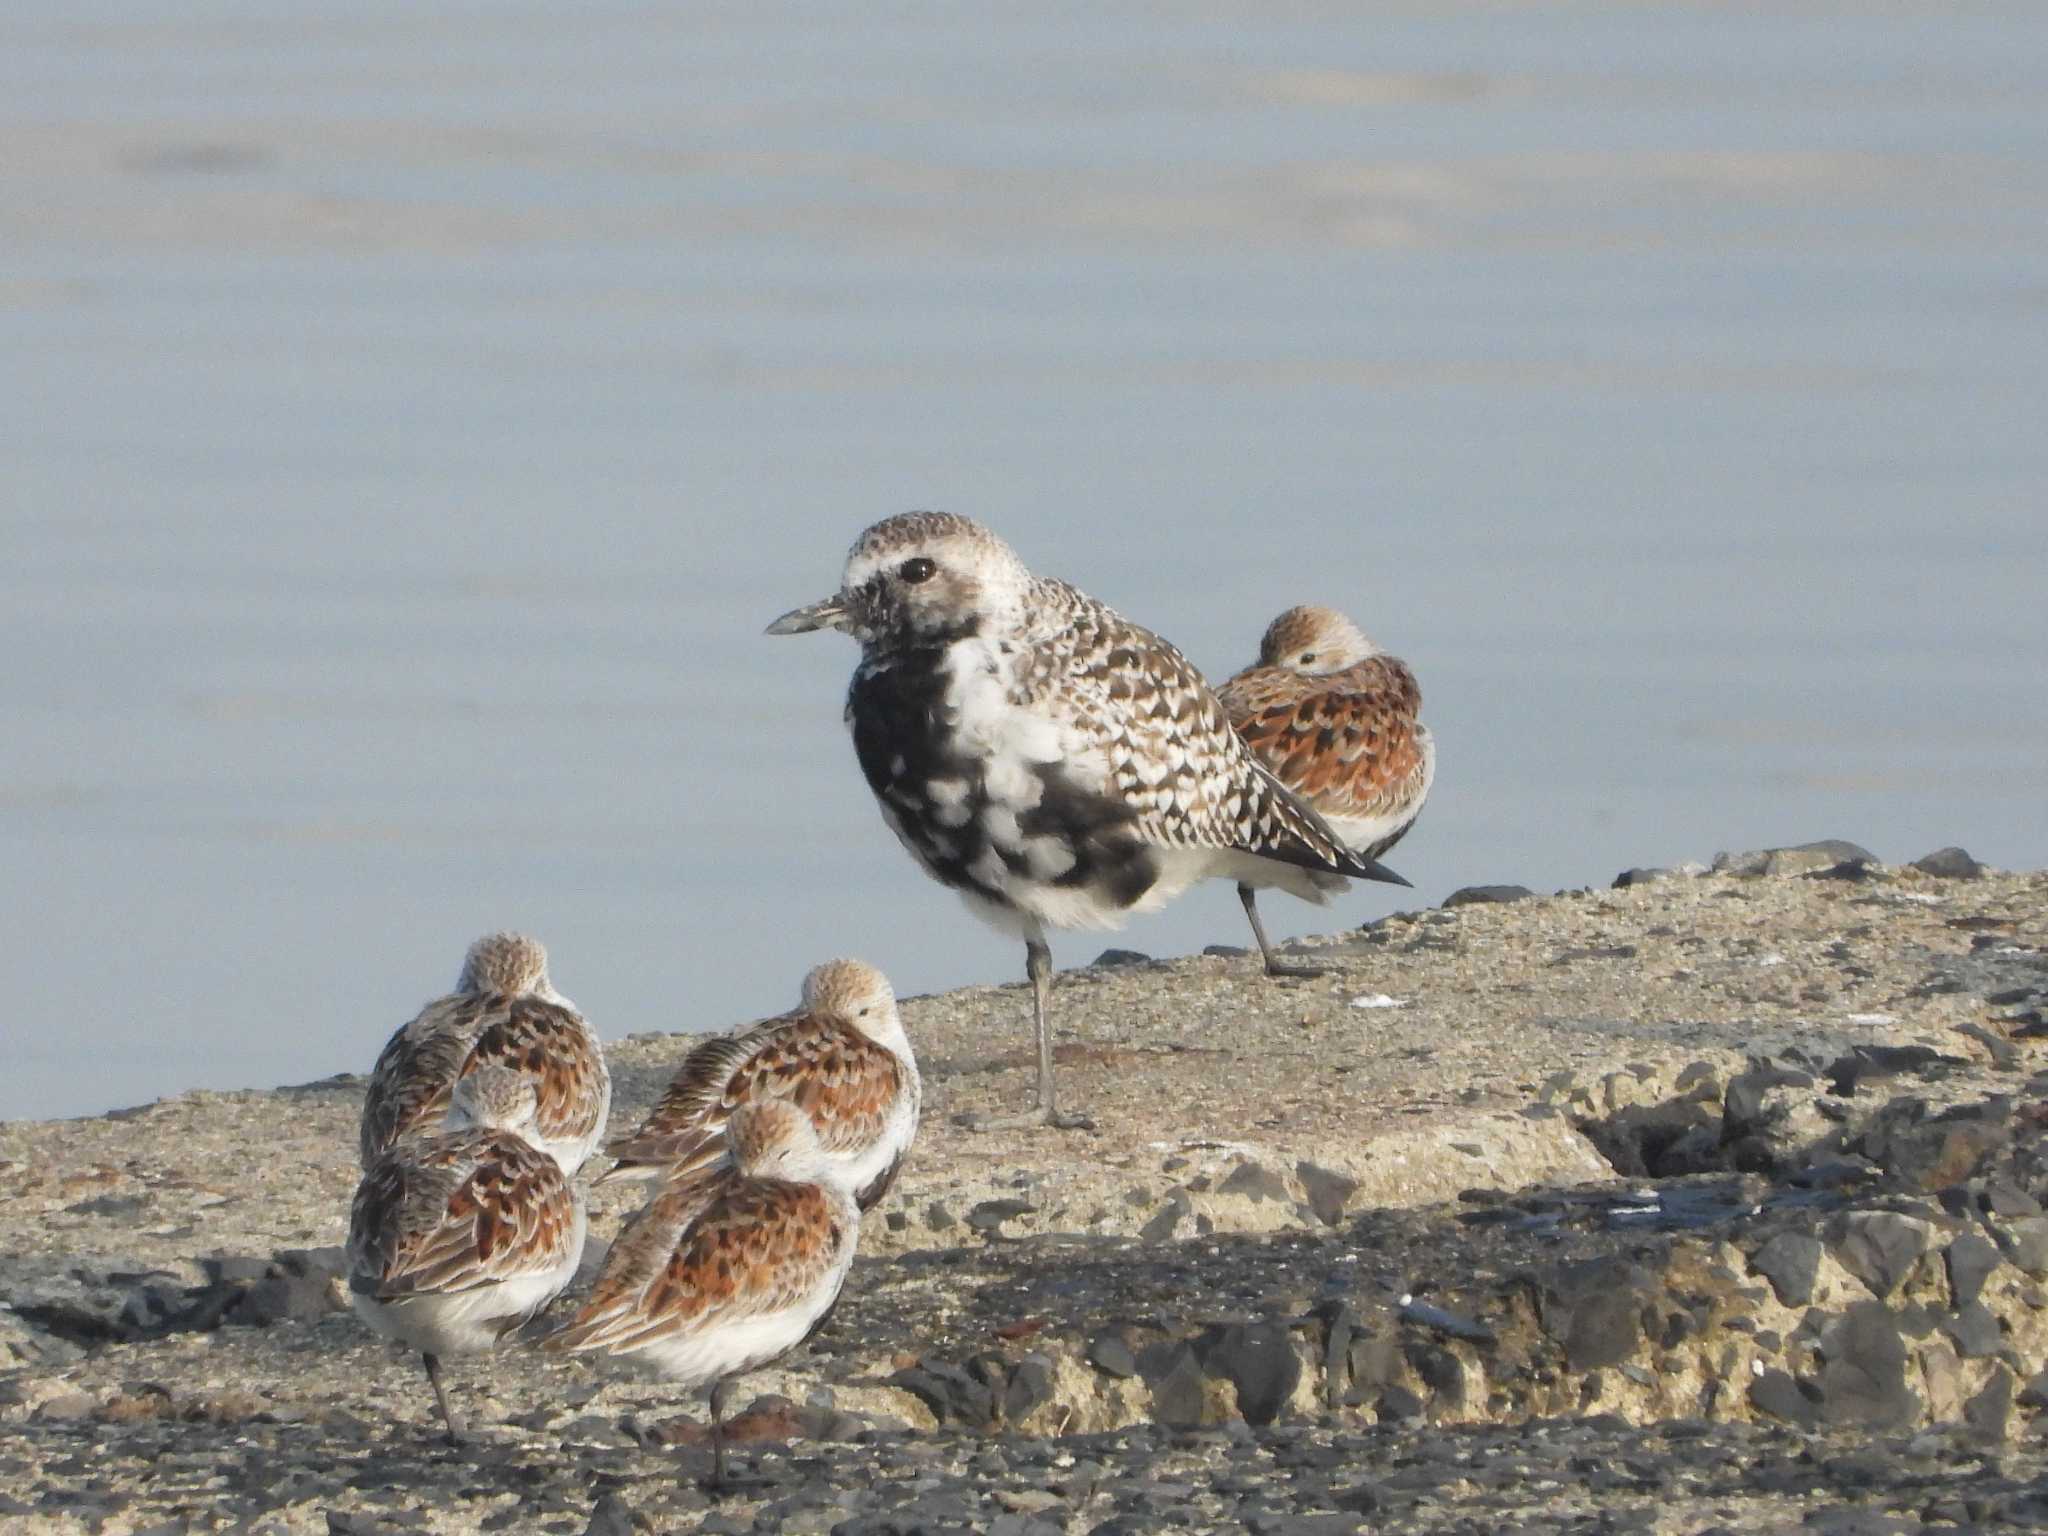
[1710, 1201]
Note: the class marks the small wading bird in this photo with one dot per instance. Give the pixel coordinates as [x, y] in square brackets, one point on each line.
[456, 1239]
[1335, 719]
[1055, 764]
[503, 1012]
[728, 1267]
[841, 1057]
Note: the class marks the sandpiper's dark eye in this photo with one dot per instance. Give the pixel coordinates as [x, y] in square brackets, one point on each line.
[917, 569]
[1307, 657]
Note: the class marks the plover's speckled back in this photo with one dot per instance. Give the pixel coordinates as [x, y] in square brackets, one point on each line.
[1337, 721]
[1057, 765]
[504, 1011]
[841, 1056]
[728, 1267]
[455, 1239]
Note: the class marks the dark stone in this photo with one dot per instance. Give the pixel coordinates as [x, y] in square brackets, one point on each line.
[284, 1299]
[2004, 1198]
[611, 1517]
[1880, 1248]
[1975, 1331]
[1177, 1396]
[328, 1263]
[952, 1395]
[1329, 1192]
[2026, 1244]
[1255, 1181]
[1597, 1312]
[1864, 1380]
[1161, 1227]
[1990, 1410]
[1791, 1262]
[1361, 1499]
[1441, 1320]
[1480, 895]
[1225, 951]
[1629, 877]
[1397, 1404]
[1119, 957]
[1030, 1385]
[1971, 1260]
[1259, 1360]
[1949, 864]
[235, 1269]
[987, 1215]
[1441, 1371]
[1110, 1355]
[1776, 1393]
[1303, 1525]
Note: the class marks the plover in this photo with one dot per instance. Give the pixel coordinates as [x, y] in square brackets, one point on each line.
[841, 1057]
[505, 1011]
[458, 1238]
[1055, 764]
[1335, 719]
[728, 1267]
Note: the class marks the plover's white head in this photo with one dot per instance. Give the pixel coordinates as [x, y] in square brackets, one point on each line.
[493, 1098]
[505, 962]
[1314, 641]
[773, 1139]
[855, 991]
[920, 576]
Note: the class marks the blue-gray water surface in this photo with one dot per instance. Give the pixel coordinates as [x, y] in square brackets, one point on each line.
[415, 412]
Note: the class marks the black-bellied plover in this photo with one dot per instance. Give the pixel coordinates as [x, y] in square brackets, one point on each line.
[456, 1239]
[1335, 719]
[842, 1057]
[729, 1267]
[1055, 764]
[505, 1011]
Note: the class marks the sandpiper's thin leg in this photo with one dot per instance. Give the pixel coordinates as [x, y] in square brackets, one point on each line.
[448, 1415]
[1038, 967]
[1275, 966]
[719, 1391]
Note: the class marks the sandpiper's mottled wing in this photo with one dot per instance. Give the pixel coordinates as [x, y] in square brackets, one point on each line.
[550, 1042]
[844, 1081]
[442, 1214]
[1350, 742]
[418, 1066]
[710, 1250]
[1173, 763]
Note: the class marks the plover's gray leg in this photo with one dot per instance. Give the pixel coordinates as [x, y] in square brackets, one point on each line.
[449, 1416]
[1275, 966]
[1037, 966]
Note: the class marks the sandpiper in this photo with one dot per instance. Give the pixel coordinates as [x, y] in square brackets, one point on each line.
[1057, 765]
[456, 1239]
[503, 1011]
[1335, 719]
[728, 1267]
[841, 1056]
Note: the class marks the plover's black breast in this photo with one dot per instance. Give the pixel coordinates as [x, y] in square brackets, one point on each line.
[979, 811]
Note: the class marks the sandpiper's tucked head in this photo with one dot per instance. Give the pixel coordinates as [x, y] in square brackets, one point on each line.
[504, 962]
[928, 575]
[493, 1098]
[852, 990]
[772, 1138]
[1314, 640]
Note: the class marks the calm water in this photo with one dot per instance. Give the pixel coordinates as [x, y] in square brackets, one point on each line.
[412, 416]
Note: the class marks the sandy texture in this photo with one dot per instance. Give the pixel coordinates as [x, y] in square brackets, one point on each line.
[1752, 1158]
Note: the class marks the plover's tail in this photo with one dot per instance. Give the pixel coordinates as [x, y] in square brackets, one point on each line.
[1284, 827]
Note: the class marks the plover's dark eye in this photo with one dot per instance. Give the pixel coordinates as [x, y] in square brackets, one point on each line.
[1307, 657]
[917, 569]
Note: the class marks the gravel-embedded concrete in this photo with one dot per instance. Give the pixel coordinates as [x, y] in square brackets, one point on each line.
[1712, 1200]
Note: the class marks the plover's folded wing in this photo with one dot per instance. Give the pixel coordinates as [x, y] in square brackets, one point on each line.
[1171, 756]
